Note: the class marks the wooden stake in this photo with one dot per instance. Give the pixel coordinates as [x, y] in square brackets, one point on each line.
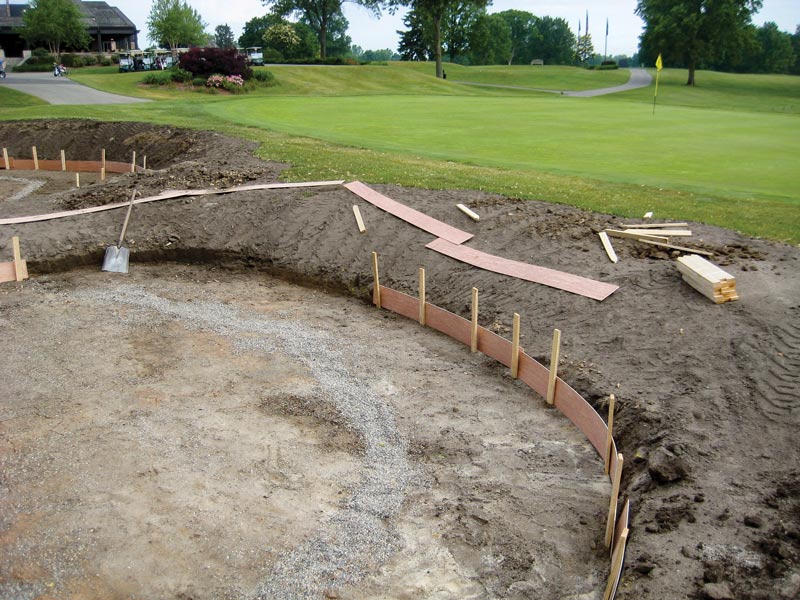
[144, 162]
[376, 293]
[616, 564]
[5, 159]
[63, 161]
[103, 158]
[555, 350]
[133, 163]
[17, 259]
[35, 159]
[77, 180]
[473, 343]
[359, 220]
[612, 509]
[515, 347]
[608, 247]
[421, 296]
[102, 174]
[610, 434]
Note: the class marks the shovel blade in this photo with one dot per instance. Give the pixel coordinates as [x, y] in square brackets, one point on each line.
[116, 259]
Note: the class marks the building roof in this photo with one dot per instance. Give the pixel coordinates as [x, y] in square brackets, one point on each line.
[98, 15]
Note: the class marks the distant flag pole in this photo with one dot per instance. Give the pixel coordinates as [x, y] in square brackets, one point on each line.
[605, 51]
[659, 66]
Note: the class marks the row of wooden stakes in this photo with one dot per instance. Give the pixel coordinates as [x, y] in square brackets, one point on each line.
[9, 163]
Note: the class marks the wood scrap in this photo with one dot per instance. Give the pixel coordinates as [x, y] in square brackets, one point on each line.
[708, 279]
[359, 220]
[662, 232]
[612, 255]
[472, 215]
[678, 248]
[636, 236]
[654, 225]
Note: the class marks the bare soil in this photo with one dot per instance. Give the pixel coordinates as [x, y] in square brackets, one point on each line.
[144, 457]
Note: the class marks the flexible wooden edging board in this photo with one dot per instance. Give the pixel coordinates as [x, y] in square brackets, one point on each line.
[408, 214]
[576, 284]
[9, 273]
[166, 195]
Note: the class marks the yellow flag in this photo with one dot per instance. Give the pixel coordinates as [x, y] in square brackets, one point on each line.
[659, 64]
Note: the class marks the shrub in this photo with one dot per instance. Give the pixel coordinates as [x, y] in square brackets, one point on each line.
[272, 56]
[198, 82]
[41, 53]
[106, 61]
[231, 83]
[264, 76]
[157, 78]
[204, 62]
[178, 75]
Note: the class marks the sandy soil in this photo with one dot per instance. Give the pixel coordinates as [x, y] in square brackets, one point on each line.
[708, 395]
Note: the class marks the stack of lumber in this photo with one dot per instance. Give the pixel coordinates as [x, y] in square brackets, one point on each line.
[655, 234]
[708, 279]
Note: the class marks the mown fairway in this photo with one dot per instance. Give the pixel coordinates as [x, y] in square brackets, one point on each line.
[723, 153]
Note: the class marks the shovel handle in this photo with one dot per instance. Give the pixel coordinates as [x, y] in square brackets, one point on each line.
[127, 218]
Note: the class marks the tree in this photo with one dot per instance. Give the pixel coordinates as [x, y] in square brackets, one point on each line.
[554, 42]
[317, 13]
[223, 37]
[254, 29]
[776, 53]
[337, 42]
[459, 20]
[522, 27]
[415, 42]
[57, 23]
[283, 38]
[174, 23]
[490, 41]
[584, 49]
[433, 13]
[693, 32]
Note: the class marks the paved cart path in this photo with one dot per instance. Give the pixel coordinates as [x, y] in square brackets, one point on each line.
[62, 90]
[639, 78]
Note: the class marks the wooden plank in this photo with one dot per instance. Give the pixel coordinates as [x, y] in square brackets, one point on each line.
[534, 374]
[163, 196]
[398, 302]
[623, 521]
[421, 296]
[631, 236]
[678, 248]
[6, 163]
[494, 346]
[573, 406]
[35, 158]
[448, 323]
[661, 232]
[63, 161]
[609, 435]
[703, 268]
[359, 220]
[8, 271]
[465, 209]
[608, 247]
[408, 214]
[653, 225]
[17, 259]
[575, 284]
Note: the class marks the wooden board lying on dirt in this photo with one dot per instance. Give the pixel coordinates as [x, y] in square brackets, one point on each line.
[597, 290]
[9, 273]
[408, 214]
[707, 278]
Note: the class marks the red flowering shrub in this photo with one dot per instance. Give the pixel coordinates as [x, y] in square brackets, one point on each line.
[204, 62]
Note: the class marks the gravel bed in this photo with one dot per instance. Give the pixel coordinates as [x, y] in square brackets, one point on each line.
[360, 535]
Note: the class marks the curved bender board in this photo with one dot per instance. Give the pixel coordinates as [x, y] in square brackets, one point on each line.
[597, 290]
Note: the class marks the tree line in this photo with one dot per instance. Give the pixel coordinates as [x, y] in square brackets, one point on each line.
[690, 34]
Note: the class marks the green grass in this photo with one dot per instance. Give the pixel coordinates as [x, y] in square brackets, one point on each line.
[729, 161]
[13, 99]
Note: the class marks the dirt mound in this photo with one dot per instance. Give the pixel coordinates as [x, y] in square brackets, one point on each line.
[708, 396]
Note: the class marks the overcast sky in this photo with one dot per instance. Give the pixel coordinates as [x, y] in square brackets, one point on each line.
[375, 34]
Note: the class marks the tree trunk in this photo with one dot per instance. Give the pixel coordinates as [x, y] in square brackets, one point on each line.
[323, 39]
[437, 26]
[690, 81]
[511, 58]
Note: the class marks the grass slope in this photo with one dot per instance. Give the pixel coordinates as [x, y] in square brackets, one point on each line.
[730, 166]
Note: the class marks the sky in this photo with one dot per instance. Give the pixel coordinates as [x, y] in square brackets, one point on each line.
[378, 33]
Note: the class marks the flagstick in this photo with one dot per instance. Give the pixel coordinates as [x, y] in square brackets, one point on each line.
[658, 73]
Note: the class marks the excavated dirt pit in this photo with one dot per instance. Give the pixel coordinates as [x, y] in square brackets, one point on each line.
[164, 434]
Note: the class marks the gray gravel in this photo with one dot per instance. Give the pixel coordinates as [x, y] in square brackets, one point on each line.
[359, 536]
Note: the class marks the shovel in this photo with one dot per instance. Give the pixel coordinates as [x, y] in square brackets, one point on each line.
[116, 258]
